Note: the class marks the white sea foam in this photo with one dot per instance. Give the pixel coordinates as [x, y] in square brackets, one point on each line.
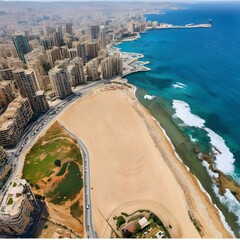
[224, 158]
[211, 173]
[193, 139]
[179, 85]
[222, 217]
[226, 201]
[183, 112]
[230, 201]
[149, 97]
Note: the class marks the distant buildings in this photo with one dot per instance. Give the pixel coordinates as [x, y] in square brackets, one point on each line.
[14, 120]
[60, 83]
[94, 32]
[21, 44]
[69, 28]
[18, 209]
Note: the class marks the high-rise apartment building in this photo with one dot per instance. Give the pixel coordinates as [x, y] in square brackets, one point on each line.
[72, 53]
[64, 52]
[112, 66]
[69, 28]
[57, 39]
[75, 71]
[103, 38]
[53, 55]
[92, 70]
[18, 209]
[37, 60]
[28, 87]
[6, 74]
[92, 49]
[21, 44]
[14, 120]
[94, 32]
[81, 50]
[60, 83]
[6, 92]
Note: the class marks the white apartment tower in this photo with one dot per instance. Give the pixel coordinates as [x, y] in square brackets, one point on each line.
[17, 208]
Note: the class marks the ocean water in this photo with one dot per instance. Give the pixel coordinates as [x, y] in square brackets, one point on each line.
[195, 76]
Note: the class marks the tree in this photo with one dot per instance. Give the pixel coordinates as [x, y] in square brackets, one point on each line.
[57, 162]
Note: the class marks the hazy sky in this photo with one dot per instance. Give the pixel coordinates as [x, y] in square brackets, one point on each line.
[120, 0]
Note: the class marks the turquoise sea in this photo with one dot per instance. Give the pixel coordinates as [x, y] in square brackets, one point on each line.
[195, 78]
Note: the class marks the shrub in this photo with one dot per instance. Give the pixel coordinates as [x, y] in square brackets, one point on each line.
[57, 162]
[120, 221]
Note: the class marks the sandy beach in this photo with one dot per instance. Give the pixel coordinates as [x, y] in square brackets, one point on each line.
[133, 166]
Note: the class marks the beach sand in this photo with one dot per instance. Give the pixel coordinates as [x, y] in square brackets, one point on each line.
[133, 166]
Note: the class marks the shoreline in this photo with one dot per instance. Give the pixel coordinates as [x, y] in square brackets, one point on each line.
[204, 200]
[223, 182]
[198, 183]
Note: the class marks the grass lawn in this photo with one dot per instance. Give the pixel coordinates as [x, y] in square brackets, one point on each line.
[69, 186]
[63, 169]
[55, 144]
[76, 210]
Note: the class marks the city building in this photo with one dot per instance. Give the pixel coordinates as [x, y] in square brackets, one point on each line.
[28, 87]
[94, 32]
[69, 28]
[92, 70]
[14, 120]
[21, 44]
[53, 55]
[75, 71]
[92, 49]
[60, 31]
[34, 44]
[49, 30]
[60, 83]
[37, 61]
[6, 74]
[18, 209]
[81, 50]
[72, 53]
[6, 93]
[64, 52]
[57, 39]
[103, 38]
[112, 66]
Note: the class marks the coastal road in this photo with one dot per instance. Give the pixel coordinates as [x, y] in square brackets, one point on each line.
[88, 220]
[33, 130]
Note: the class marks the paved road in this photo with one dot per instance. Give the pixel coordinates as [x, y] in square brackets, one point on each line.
[88, 220]
[33, 130]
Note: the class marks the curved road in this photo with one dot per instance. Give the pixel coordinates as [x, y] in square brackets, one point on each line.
[32, 132]
[88, 221]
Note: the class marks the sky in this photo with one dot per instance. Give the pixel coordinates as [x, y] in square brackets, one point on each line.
[118, 0]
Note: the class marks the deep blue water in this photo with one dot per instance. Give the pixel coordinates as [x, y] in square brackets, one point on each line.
[207, 62]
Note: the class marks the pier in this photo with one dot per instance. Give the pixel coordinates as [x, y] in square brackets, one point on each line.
[170, 26]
